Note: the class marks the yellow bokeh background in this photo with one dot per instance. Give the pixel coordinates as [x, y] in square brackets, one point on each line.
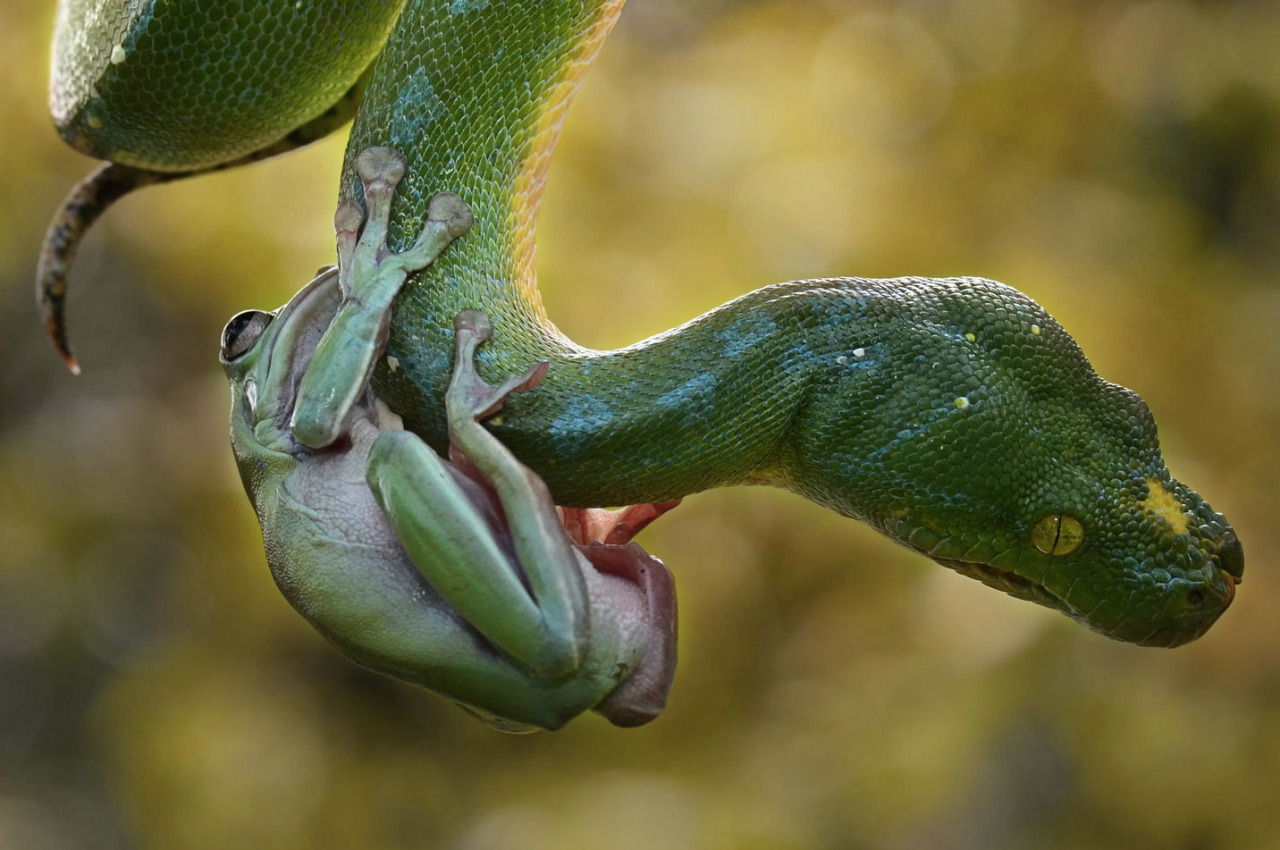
[1118, 161]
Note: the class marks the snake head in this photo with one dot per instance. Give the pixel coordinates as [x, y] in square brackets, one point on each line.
[1102, 533]
[990, 445]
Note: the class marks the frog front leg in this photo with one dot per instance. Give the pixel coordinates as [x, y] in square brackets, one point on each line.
[592, 623]
[370, 276]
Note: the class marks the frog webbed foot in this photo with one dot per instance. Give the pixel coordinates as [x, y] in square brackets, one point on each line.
[470, 398]
[370, 276]
[604, 537]
[641, 696]
[611, 527]
[363, 253]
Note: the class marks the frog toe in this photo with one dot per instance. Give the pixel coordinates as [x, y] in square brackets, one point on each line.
[469, 396]
[449, 210]
[380, 164]
[380, 170]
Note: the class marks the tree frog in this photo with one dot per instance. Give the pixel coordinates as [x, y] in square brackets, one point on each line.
[458, 573]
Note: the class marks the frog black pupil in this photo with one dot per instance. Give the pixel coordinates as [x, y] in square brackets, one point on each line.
[242, 332]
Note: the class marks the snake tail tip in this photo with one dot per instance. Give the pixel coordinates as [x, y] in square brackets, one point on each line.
[86, 203]
[69, 359]
[57, 331]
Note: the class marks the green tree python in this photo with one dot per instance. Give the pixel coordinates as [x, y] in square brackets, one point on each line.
[953, 415]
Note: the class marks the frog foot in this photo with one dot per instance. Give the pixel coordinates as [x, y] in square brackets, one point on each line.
[641, 696]
[604, 539]
[364, 252]
[586, 526]
[470, 398]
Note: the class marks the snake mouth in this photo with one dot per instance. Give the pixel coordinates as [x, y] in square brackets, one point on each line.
[1205, 603]
[1011, 583]
[1229, 581]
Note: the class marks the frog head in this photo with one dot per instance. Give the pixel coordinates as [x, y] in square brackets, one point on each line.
[265, 355]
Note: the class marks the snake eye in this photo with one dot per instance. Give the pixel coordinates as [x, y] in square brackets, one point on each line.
[1057, 534]
[242, 332]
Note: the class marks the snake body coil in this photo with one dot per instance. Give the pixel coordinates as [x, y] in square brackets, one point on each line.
[954, 415]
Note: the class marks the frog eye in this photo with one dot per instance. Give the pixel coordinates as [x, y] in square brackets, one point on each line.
[242, 332]
[1057, 534]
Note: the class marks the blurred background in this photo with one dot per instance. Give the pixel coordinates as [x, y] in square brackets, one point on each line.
[1118, 161]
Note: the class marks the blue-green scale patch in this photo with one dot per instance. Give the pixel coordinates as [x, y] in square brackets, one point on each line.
[746, 332]
[696, 388]
[585, 414]
[416, 107]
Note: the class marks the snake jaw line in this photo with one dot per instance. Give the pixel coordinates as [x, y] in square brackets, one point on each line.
[1015, 585]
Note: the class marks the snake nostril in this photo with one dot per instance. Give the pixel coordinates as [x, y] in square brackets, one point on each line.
[1194, 597]
[1231, 555]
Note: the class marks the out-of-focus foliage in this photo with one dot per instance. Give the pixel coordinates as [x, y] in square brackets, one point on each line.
[1119, 161]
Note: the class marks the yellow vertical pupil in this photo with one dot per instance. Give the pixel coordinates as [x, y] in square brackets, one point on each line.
[1057, 534]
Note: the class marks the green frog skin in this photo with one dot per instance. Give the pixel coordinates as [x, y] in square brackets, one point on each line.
[455, 575]
[953, 415]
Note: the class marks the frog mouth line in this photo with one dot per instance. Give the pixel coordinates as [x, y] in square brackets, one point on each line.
[295, 336]
[1009, 582]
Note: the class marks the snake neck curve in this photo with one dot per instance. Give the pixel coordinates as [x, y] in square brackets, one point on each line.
[473, 93]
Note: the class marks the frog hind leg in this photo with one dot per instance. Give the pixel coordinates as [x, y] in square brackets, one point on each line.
[543, 549]
[602, 537]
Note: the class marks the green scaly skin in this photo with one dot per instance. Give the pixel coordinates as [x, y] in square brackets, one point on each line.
[954, 415]
[183, 85]
[868, 397]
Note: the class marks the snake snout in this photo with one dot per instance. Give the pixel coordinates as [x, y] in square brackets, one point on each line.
[1230, 556]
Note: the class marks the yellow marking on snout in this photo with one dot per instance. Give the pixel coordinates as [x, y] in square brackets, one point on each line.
[1162, 503]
